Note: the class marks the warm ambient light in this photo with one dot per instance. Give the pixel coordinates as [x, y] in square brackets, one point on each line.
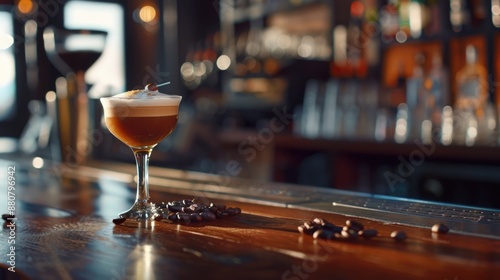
[147, 13]
[25, 6]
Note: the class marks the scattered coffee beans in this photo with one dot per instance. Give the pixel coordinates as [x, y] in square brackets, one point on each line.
[439, 228]
[398, 235]
[352, 230]
[320, 228]
[187, 211]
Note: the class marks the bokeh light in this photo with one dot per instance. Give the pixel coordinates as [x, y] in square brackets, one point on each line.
[25, 6]
[147, 14]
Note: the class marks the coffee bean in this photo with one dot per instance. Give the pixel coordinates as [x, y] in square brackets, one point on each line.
[440, 228]
[162, 205]
[208, 216]
[311, 227]
[323, 234]
[202, 207]
[317, 233]
[221, 214]
[221, 207]
[119, 220]
[368, 233]
[305, 230]
[158, 218]
[302, 229]
[194, 207]
[174, 208]
[332, 227]
[318, 221]
[229, 211]
[309, 224]
[173, 217]
[6, 217]
[183, 217]
[354, 225]
[187, 202]
[398, 235]
[195, 217]
[349, 234]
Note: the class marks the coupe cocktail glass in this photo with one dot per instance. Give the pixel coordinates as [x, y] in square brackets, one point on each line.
[141, 119]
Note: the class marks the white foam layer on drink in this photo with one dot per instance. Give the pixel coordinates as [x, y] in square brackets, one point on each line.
[141, 103]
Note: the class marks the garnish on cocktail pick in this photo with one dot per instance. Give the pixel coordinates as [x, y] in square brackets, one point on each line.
[154, 87]
[151, 87]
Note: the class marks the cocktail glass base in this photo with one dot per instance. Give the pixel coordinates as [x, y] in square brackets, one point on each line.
[142, 212]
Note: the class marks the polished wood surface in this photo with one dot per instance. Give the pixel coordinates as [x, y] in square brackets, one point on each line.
[64, 231]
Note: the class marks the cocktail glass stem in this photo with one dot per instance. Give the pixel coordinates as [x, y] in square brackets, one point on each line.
[143, 209]
[142, 160]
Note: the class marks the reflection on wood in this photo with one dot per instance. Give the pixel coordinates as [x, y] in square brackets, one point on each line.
[260, 243]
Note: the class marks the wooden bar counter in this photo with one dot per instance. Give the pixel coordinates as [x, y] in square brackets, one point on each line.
[64, 230]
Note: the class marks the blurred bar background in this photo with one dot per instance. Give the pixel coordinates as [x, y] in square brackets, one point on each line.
[393, 97]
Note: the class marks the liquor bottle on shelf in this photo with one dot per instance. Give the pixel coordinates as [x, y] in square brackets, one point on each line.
[472, 82]
[415, 83]
[209, 57]
[434, 16]
[330, 124]
[253, 51]
[355, 40]
[339, 63]
[398, 92]
[404, 17]
[459, 15]
[311, 112]
[350, 109]
[416, 97]
[438, 77]
[240, 51]
[401, 131]
[389, 21]
[472, 101]
[467, 13]
[477, 12]
[436, 86]
[371, 33]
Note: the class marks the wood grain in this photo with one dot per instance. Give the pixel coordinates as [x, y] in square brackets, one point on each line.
[260, 243]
